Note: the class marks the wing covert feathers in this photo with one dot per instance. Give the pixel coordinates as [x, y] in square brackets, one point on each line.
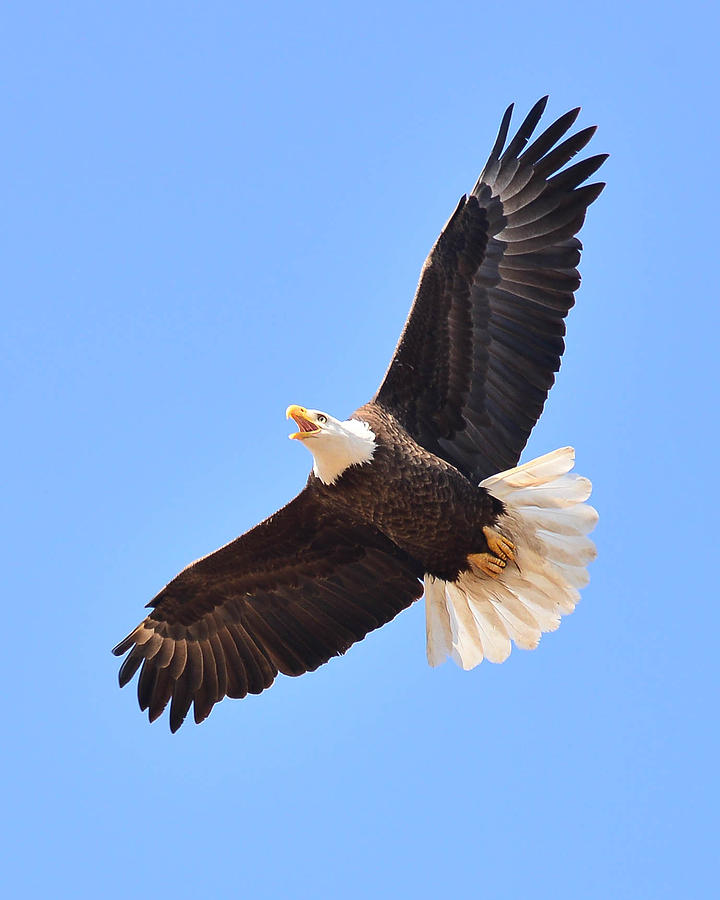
[485, 334]
[285, 597]
[548, 520]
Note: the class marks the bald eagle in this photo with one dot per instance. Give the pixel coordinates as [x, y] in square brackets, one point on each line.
[418, 491]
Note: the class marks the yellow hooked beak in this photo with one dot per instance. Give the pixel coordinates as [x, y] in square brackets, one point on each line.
[300, 415]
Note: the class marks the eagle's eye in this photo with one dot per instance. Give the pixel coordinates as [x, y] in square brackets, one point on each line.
[322, 419]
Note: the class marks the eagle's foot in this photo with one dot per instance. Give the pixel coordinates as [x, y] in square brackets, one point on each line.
[487, 563]
[499, 545]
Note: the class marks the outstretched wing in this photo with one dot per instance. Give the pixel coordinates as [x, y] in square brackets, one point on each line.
[484, 337]
[285, 597]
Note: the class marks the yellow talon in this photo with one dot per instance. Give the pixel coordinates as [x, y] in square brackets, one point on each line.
[487, 564]
[498, 544]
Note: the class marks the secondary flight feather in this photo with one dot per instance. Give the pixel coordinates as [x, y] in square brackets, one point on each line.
[416, 492]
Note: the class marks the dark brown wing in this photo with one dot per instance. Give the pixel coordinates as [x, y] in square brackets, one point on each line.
[484, 337]
[285, 597]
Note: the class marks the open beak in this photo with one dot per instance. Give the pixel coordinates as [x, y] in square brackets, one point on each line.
[299, 416]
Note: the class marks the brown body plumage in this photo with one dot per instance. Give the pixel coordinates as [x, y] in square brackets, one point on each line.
[426, 506]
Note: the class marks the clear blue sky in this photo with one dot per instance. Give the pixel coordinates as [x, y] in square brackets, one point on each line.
[212, 210]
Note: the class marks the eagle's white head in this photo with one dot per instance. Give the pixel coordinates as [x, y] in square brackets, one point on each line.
[334, 445]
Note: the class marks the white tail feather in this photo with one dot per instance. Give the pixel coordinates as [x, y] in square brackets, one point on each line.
[537, 471]
[437, 622]
[522, 626]
[574, 576]
[546, 517]
[569, 549]
[467, 648]
[567, 490]
[578, 519]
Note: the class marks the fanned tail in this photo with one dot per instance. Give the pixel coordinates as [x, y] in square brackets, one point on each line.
[548, 520]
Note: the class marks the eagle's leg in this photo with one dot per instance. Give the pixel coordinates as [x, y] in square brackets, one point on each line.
[501, 552]
[487, 563]
[498, 544]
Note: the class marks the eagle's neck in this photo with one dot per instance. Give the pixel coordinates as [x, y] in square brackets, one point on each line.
[353, 444]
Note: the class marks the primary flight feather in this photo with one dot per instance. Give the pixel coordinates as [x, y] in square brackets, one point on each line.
[415, 493]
